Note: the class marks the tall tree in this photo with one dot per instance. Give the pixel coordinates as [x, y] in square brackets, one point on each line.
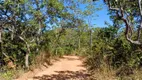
[130, 13]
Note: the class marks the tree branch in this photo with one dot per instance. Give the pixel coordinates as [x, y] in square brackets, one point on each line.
[27, 45]
[140, 27]
[121, 15]
[109, 5]
[27, 54]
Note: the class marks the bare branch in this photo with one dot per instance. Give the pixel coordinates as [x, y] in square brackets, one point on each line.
[0, 34]
[140, 27]
[27, 45]
[134, 42]
[120, 14]
[27, 54]
[140, 7]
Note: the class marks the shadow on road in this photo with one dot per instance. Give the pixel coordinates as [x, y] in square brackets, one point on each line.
[65, 75]
[70, 58]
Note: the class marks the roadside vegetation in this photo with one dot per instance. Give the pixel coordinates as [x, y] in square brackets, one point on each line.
[33, 32]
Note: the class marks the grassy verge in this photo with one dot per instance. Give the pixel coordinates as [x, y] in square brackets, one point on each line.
[10, 74]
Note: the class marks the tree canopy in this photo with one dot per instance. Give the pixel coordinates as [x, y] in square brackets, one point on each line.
[130, 13]
[32, 32]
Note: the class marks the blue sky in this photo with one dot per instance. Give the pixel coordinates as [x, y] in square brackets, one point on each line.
[102, 15]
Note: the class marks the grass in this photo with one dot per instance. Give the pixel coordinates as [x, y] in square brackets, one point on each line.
[105, 73]
[10, 74]
[100, 70]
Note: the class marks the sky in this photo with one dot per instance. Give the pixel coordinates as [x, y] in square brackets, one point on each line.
[102, 15]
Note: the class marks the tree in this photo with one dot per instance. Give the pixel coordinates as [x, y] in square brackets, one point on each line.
[130, 12]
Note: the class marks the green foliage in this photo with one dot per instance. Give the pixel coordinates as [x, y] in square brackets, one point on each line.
[58, 29]
[114, 52]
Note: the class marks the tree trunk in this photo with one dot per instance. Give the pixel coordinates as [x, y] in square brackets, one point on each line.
[79, 43]
[79, 39]
[27, 60]
[1, 43]
[0, 35]
[90, 39]
[38, 36]
[27, 54]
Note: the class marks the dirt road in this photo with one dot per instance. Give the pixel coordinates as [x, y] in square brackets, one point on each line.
[67, 68]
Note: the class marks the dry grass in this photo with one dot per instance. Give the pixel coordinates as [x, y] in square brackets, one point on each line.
[102, 70]
[105, 73]
[43, 59]
[136, 76]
